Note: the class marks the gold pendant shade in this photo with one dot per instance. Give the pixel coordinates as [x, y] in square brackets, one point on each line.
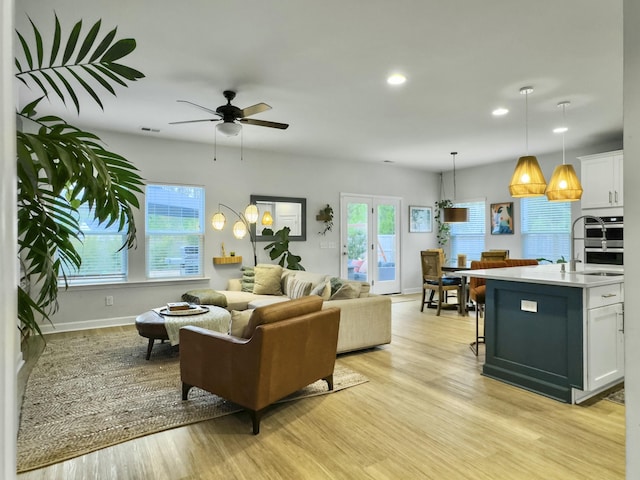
[528, 179]
[564, 185]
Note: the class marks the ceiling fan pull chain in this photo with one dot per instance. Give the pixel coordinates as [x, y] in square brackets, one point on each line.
[242, 145]
[215, 145]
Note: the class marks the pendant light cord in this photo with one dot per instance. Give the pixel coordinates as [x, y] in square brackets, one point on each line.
[454, 176]
[564, 124]
[526, 122]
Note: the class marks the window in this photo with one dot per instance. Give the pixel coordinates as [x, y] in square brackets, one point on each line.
[468, 237]
[546, 228]
[103, 260]
[174, 231]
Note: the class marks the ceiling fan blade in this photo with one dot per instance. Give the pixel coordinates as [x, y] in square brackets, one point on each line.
[199, 106]
[253, 109]
[264, 123]
[195, 121]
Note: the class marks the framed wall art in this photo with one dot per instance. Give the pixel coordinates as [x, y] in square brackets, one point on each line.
[420, 219]
[502, 218]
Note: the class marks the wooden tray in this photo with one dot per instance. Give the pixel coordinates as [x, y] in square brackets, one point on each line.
[193, 310]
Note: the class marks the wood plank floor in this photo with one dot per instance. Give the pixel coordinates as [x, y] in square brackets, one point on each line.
[426, 413]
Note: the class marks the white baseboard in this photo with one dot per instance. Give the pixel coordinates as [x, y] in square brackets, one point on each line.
[87, 324]
[409, 291]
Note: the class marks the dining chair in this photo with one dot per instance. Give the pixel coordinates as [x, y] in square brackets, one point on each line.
[494, 255]
[433, 279]
[477, 294]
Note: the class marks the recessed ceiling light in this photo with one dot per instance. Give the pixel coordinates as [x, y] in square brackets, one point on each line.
[396, 79]
[500, 111]
[560, 130]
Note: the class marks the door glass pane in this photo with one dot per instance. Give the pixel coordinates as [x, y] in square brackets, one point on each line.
[357, 241]
[386, 243]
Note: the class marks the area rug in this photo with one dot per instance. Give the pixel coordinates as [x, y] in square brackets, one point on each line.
[617, 396]
[90, 391]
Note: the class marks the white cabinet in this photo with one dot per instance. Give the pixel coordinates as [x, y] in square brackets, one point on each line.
[601, 177]
[604, 361]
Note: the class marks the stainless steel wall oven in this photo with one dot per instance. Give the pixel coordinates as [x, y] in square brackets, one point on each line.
[610, 252]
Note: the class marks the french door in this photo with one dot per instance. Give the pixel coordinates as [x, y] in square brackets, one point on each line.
[370, 238]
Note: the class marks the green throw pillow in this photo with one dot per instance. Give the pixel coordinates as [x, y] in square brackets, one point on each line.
[248, 279]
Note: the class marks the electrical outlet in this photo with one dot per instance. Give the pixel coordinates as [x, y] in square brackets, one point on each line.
[108, 300]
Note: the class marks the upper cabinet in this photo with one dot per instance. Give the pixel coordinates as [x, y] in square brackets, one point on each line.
[602, 180]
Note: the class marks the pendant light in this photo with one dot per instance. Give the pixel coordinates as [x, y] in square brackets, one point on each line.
[527, 179]
[454, 214]
[564, 185]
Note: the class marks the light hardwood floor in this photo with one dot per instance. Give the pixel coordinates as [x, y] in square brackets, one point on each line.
[426, 413]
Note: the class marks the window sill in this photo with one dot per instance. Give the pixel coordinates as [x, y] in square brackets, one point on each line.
[135, 283]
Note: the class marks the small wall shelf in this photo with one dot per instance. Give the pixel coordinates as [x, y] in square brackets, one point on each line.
[226, 260]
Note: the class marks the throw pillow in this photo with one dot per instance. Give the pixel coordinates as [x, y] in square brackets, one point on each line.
[267, 280]
[248, 277]
[297, 288]
[239, 320]
[322, 290]
[347, 291]
[205, 296]
[336, 283]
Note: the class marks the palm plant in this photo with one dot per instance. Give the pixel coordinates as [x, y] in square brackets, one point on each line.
[61, 167]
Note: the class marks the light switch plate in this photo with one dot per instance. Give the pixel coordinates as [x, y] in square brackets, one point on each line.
[529, 306]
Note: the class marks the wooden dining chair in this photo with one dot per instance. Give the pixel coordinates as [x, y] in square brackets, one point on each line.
[494, 255]
[433, 280]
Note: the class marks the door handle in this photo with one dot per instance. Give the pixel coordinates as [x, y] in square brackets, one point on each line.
[609, 196]
[616, 196]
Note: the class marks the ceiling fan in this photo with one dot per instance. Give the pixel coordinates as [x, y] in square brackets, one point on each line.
[232, 116]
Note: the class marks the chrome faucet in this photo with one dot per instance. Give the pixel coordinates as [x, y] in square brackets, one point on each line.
[573, 261]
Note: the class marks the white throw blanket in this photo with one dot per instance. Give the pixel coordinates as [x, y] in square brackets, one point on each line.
[217, 319]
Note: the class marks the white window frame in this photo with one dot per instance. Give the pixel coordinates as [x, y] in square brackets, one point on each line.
[469, 238]
[180, 251]
[115, 250]
[545, 228]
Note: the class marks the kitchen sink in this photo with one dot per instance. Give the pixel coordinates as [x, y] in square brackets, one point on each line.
[604, 274]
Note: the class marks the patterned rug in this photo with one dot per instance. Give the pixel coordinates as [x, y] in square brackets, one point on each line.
[90, 391]
[617, 396]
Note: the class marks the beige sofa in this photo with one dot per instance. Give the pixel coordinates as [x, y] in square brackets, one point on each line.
[365, 321]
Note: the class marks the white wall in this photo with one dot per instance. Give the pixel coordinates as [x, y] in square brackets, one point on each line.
[632, 231]
[230, 181]
[9, 351]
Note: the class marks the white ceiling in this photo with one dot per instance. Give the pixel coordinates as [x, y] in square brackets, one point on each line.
[322, 66]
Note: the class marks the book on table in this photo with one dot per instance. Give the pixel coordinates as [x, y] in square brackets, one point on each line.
[176, 306]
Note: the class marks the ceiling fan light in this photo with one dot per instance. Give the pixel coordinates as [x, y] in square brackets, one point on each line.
[455, 215]
[229, 129]
[564, 185]
[218, 220]
[528, 179]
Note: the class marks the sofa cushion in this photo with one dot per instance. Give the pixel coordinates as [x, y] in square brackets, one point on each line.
[314, 278]
[282, 311]
[336, 283]
[239, 321]
[297, 288]
[348, 290]
[248, 278]
[267, 279]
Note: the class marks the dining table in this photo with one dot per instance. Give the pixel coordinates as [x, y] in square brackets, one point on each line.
[453, 269]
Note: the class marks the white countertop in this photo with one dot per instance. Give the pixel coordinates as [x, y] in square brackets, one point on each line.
[551, 275]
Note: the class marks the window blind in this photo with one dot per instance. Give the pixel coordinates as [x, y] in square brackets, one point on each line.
[174, 230]
[103, 260]
[545, 228]
[468, 237]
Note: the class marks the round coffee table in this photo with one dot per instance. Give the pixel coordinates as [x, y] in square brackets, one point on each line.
[153, 325]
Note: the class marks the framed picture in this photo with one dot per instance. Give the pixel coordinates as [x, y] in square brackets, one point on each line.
[502, 218]
[420, 219]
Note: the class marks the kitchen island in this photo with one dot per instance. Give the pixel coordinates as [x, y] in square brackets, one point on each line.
[556, 333]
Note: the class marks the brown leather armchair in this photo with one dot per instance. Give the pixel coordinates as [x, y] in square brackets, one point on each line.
[289, 345]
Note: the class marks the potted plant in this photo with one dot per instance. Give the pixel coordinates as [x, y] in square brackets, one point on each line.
[61, 167]
[279, 248]
[326, 216]
[444, 229]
